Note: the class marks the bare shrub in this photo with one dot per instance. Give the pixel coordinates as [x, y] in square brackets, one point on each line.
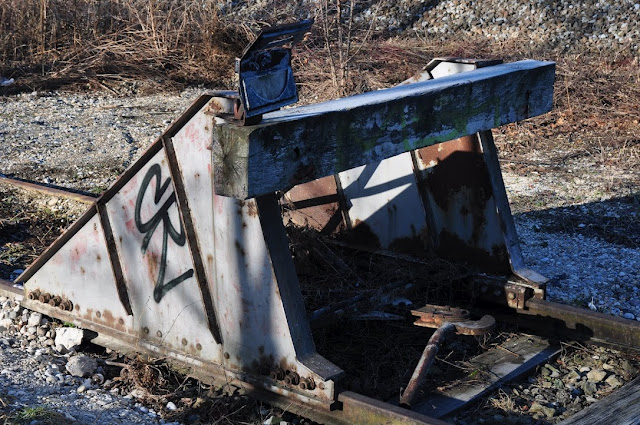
[131, 38]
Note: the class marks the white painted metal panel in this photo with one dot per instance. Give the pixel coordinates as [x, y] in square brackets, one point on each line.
[192, 145]
[252, 319]
[77, 270]
[386, 198]
[167, 304]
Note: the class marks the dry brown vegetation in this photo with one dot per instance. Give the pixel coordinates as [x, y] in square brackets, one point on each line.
[165, 44]
[52, 43]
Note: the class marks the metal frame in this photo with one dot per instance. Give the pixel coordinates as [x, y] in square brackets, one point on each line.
[187, 256]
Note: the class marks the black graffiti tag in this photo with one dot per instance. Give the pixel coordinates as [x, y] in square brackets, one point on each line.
[149, 227]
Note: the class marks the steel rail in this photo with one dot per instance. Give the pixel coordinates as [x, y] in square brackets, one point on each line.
[58, 192]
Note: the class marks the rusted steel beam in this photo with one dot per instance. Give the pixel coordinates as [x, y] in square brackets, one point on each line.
[359, 409]
[47, 190]
[565, 321]
[8, 290]
[298, 145]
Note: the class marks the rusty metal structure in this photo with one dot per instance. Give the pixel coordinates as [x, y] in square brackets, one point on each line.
[186, 255]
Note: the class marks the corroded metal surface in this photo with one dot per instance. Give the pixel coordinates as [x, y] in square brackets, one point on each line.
[425, 362]
[456, 190]
[315, 204]
[187, 274]
[433, 316]
[582, 324]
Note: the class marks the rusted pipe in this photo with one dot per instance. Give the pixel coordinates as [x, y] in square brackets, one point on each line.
[425, 362]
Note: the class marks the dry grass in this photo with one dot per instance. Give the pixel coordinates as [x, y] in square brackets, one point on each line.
[85, 41]
[48, 44]
[26, 229]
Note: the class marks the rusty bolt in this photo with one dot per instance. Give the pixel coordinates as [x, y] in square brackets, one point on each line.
[184, 341]
[292, 378]
[55, 301]
[226, 355]
[511, 296]
[66, 305]
[145, 330]
[321, 385]
[44, 297]
[310, 384]
[98, 314]
[159, 334]
[303, 385]
[34, 295]
[198, 346]
[277, 374]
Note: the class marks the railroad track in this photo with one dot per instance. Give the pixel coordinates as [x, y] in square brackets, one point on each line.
[510, 358]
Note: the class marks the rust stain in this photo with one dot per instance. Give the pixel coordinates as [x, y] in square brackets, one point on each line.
[98, 257]
[252, 208]
[414, 245]
[77, 252]
[460, 171]
[152, 265]
[88, 315]
[314, 204]
[262, 366]
[109, 320]
[460, 186]
[131, 225]
[437, 153]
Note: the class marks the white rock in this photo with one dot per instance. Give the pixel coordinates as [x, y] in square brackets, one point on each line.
[34, 319]
[69, 337]
[171, 406]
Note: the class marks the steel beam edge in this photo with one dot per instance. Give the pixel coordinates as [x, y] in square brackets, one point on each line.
[48, 190]
[352, 408]
[8, 290]
[583, 324]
